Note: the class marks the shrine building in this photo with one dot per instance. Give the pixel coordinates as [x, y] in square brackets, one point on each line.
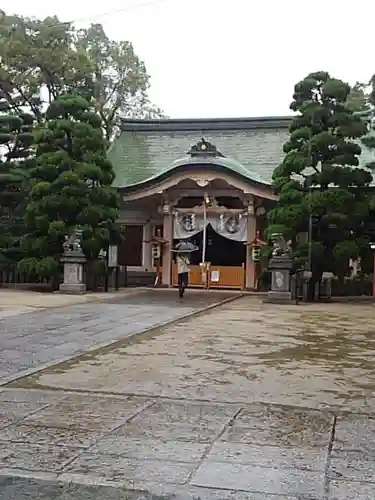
[203, 180]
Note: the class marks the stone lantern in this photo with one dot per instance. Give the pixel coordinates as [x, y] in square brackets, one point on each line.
[281, 265]
[73, 260]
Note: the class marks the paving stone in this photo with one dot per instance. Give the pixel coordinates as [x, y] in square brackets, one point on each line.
[188, 413]
[217, 494]
[100, 414]
[166, 432]
[344, 490]
[147, 449]
[259, 479]
[5, 421]
[353, 465]
[37, 457]
[27, 396]
[49, 436]
[13, 410]
[355, 432]
[119, 468]
[189, 492]
[269, 456]
[273, 425]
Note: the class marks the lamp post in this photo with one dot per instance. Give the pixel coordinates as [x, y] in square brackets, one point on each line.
[309, 234]
[309, 186]
[372, 246]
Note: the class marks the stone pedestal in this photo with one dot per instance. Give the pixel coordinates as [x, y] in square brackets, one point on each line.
[73, 273]
[281, 274]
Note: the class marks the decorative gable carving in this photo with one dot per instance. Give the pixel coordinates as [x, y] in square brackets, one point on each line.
[204, 148]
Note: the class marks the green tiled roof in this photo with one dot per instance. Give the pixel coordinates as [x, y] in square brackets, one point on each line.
[252, 147]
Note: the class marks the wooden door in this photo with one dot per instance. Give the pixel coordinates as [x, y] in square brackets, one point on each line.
[131, 249]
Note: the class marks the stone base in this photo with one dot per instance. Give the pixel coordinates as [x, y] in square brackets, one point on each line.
[72, 289]
[280, 298]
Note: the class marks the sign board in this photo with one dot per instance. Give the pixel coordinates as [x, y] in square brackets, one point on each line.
[112, 256]
[215, 276]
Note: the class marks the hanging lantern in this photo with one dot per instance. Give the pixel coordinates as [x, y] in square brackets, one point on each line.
[155, 252]
[250, 207]
[255, 254]
[193, 222]
[222, 223]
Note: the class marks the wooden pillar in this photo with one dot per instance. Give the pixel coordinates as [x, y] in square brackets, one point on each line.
[167, 253]
[250, 278]
[146, 250]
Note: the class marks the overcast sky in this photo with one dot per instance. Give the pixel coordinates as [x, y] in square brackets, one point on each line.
[230, 58]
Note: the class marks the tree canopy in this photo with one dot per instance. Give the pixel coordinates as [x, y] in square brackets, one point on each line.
[70, 186]
[41, 60]
[320, 176]
[119, 77]
[357, 100]
[16, 159]
[62, 91]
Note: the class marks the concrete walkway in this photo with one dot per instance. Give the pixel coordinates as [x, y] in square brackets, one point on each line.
[58, 330]
[186, 449]
[249, 401]
[14, 302]
[317, 356]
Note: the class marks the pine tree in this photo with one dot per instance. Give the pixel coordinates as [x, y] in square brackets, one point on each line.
[70, 188]
[16, 147]
[319, 177]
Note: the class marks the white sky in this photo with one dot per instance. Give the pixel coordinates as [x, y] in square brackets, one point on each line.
[230, 58]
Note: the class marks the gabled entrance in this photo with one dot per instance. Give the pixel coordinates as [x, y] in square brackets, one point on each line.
[208, 199]
[220, 232]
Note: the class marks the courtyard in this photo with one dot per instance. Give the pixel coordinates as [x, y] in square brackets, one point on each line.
[245, 400]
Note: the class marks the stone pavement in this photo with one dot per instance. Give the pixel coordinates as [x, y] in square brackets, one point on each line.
[31, 341]
[248, 401]
[15, 302]
[317, 356]
[186, 449]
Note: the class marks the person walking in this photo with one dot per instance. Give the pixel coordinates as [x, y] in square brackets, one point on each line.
[183, 263]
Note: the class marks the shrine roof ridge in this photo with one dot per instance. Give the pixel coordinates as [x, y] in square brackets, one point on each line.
[202, 124]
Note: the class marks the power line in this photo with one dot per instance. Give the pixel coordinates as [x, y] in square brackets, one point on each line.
[99, 15]
[114, 12]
